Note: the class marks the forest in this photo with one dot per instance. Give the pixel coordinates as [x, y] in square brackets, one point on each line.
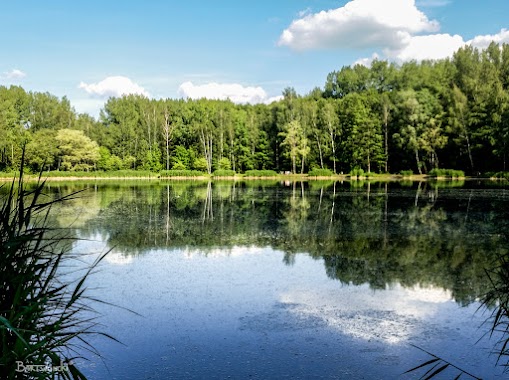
[386, 118]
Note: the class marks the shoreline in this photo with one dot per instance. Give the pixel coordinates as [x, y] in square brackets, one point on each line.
[283, 177]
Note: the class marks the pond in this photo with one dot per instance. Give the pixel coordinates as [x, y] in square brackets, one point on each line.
[297, 280]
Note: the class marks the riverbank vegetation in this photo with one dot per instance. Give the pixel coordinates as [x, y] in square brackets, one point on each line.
[45, 313]
[417, 117]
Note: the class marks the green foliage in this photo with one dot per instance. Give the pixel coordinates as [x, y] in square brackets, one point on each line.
[321, 173]
[109, 162]
[224, 164]
[223, 173]
[420, 115]
[406, 173]
[152, 160]
[179, 166]
[260, 173]
[77, 151]
[182, 173]
[357, 172]
[295, 142]
[181, 158]
[448, 173]
[42, 315]
[101, 174]
[10, 174]
[201, 164]
[42, 151]
[497, 300]
[499, 175]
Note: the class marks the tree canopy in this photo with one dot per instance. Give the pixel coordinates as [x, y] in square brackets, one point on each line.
[451, 113]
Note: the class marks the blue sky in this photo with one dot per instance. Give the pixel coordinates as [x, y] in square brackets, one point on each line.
[247, 51]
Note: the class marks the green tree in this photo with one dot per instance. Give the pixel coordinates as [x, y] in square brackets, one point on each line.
[328, 122]
[421, 115]
[296, 142]
[42, 150]
[76, 151]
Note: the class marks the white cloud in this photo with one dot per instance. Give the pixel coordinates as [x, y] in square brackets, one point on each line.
[13, 74]
[396, 28]
[433, 46]
[359, 24]
[367, 61]
[222, 91]
[113, 86]
[273, 99]
[483, 42]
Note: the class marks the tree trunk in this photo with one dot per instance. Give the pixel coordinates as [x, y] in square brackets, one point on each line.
[418, 161]
[386, 145]
[167, 138]
[469, 152]
[319, 150]
[333, 146]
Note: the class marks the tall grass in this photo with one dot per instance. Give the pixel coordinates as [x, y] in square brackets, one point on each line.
[223, 173]
[497, 301]
[447, 173]
[45, 318]
[182, 173]
[101, 174]
[321, 173]
[499, 175]
[260, 173]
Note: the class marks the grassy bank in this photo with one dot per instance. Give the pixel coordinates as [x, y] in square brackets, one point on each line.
[317, 174]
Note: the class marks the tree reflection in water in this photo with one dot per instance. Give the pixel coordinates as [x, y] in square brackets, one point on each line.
[442, 234]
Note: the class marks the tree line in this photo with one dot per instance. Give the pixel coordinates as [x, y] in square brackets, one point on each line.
[419, 116]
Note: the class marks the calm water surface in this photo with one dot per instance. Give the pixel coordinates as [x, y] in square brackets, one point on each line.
[263, 280]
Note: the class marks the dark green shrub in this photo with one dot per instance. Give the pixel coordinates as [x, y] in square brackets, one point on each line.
[406, 173]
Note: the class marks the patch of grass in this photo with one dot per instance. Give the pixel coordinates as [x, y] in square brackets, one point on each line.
[499, 175]
[357, 172]
[224, 173]
[9, 174]
[182, 173]
[446, 173]
[101, 174]
[406, 173]
[260, 173]
[321, 173]
[44, 318]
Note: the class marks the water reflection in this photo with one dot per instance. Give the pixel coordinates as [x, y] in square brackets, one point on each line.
[378, 234]
[368, 269]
